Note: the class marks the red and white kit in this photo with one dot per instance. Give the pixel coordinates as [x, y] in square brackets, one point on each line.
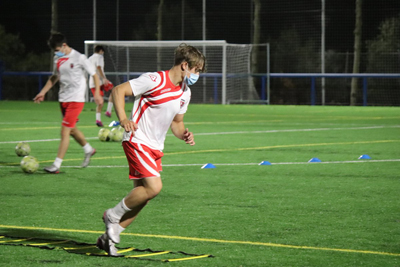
[98, 61]
[157, 102]
[71, 70]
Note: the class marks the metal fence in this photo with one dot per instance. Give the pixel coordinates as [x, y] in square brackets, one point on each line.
[376, 89]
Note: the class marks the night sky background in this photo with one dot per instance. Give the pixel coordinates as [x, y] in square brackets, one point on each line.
[226, 20]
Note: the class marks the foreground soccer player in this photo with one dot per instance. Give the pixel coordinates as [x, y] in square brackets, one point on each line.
[161, 100]
[70, 69]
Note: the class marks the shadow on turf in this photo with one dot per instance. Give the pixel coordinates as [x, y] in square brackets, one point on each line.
[30, 233]
[44, 240]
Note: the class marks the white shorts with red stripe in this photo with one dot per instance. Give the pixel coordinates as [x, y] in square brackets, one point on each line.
[143, 161]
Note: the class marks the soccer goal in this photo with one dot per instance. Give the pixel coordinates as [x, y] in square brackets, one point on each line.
[228, 76]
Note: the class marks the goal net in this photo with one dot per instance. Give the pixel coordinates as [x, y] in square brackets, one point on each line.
[228, 78]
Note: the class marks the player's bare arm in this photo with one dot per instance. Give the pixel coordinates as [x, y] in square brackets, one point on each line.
[49, 84]
[102, 75]
[179, 130]
[118, 94]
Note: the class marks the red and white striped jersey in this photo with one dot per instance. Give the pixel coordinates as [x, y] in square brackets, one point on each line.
[157, 102]
[71, 70]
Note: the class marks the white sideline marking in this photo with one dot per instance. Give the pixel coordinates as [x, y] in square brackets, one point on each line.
[238, 164]
[237, 132]
[301, 130]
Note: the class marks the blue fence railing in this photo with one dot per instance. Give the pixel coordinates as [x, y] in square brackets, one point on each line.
[43, 75]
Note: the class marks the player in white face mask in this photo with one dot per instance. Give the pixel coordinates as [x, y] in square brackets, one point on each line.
[161, 101]
[70, 68]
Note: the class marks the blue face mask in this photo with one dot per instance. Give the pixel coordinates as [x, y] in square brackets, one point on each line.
[59, 54]
[192, 79]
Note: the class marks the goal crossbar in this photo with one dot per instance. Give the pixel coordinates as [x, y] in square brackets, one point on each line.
[157, 43]
[231, 61]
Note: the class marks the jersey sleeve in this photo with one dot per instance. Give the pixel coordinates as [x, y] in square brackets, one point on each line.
[144, 83]
[87, 65]
[185, 101]
[100, 62]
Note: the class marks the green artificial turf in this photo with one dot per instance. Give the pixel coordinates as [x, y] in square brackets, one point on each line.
[340, 212]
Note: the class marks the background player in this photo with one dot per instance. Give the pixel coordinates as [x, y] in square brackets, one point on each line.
[105, 85]
[69, 69]
[161, 100]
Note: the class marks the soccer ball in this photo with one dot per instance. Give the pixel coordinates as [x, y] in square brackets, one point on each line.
[29, 164]
[22, 149]
[116, 134]
[104, 134]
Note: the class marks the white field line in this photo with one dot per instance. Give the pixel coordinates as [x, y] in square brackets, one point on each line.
[302, 130]
[236, 132]
[239, 164]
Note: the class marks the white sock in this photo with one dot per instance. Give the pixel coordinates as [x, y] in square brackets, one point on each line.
[98, 116]
[57, 162]
[120, 229]
[87, 148]
[120, 209]
[109, 106]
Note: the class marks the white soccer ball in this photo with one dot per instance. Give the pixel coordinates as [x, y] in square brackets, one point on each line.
[116, 135]
[104, 134]
[29, 164]
[22, 149]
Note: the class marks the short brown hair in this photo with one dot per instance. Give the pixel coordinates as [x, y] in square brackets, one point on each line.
[98, 48]
[191, 55]
[56, 40]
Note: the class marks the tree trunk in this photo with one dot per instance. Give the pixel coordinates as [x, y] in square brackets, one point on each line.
[159, 32]
[255, 53]
[51, 95]
[357, 53]
[256, 36]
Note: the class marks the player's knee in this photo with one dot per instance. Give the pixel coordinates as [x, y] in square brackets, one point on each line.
[72, 133]
[65, 132]
[153, 191]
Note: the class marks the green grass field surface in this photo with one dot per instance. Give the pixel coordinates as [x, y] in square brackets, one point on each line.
[341, 212]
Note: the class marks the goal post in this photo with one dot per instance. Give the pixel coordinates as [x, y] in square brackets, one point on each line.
[228, 76]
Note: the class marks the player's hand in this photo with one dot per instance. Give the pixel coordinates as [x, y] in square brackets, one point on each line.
[129, 126]
[98, 99]
[106, 81]
[188, 137]
[38, 98]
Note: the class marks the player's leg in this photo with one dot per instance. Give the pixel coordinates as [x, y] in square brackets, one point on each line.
[87, 148]
[144, 168]
[109, 106]
[124, 213]
[144, 190]
[75, 108]
[64, 143]
[99, 107]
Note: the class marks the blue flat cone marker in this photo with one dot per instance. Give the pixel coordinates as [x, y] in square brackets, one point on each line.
[264, 163]
[114, 123]
[314, 160]
[364, 157]
[208, 166]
